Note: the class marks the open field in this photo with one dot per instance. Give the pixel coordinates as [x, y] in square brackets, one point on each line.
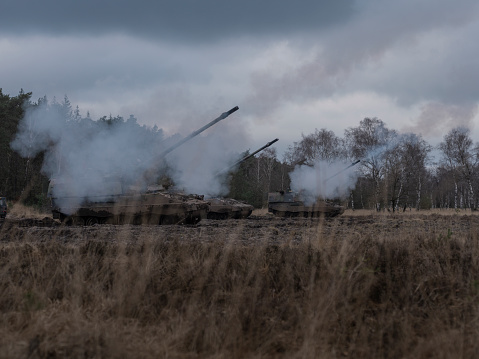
[362, 285]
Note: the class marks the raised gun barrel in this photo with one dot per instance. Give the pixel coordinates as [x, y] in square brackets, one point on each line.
[248, 156]
[351, 165]
[197, 132]
[157, 159]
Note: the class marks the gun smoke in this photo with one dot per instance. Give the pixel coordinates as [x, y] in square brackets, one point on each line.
[95, 160]
[324, 180]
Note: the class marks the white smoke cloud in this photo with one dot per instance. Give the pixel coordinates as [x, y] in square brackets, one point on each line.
[199, 165]
[323, 180]
[94, 161]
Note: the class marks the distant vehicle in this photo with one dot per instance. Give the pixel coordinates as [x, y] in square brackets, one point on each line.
[291, 204]
[3, 207]
[229, 208]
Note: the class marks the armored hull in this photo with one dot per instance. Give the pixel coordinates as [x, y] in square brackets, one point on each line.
[227, 208]
[146, 208]
[290, 204]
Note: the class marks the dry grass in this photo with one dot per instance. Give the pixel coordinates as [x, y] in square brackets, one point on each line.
[18, 210]
[361, 286]
[413, 212]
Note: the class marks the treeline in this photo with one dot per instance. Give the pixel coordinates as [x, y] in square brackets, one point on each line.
[396, 171]
[20, 178]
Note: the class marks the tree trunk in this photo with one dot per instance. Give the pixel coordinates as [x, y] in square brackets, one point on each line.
[418, 194]
[471, 195]
[376, 194]
[455, 194]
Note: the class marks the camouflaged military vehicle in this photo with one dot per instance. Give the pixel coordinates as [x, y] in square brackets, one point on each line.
[120, 204]
[291, 204]
[228, 208]
[157, 207]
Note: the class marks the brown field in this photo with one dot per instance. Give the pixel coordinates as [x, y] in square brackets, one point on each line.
[362, 285]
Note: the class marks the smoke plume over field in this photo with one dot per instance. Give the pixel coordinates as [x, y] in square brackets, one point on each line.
[323, 180]
[93, 160]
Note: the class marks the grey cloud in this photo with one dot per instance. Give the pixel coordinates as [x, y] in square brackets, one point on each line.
[171, 61]
[438, 118]
[185, 20]
[347, 56]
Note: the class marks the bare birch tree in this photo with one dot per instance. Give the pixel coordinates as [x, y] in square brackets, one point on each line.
[322, 145]
[461, 158]
[369, 143]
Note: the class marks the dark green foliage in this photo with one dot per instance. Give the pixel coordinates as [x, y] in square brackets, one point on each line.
[20, 178]
[242, 184]
[257, 176]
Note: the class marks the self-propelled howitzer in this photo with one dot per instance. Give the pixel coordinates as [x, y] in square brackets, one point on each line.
[237, 163]
[118, 203]
[292, 204]
[228, 208]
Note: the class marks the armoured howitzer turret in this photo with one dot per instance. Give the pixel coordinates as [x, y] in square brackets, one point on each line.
[292, 204]
[226, 208]
[118, 204]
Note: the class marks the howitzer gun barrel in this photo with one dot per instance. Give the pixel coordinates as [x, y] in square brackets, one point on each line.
[156, 161]
[197, 132]
[248, 156]
[351, 165]
[255, 152]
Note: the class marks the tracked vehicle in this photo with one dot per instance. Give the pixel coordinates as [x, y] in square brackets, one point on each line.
[155, 207]
[120, 204]
[291, 204]
[228, 208]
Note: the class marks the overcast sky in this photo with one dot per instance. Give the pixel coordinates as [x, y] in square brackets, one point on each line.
[291, 67]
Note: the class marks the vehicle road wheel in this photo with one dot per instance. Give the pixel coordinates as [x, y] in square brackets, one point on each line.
[92, 221]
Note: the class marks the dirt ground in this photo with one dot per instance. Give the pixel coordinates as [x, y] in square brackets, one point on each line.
[260, 227]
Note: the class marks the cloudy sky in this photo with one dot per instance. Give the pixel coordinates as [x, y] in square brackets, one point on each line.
[291, 67]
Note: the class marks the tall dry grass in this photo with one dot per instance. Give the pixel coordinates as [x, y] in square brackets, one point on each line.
[17, 210]
[374, 295]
